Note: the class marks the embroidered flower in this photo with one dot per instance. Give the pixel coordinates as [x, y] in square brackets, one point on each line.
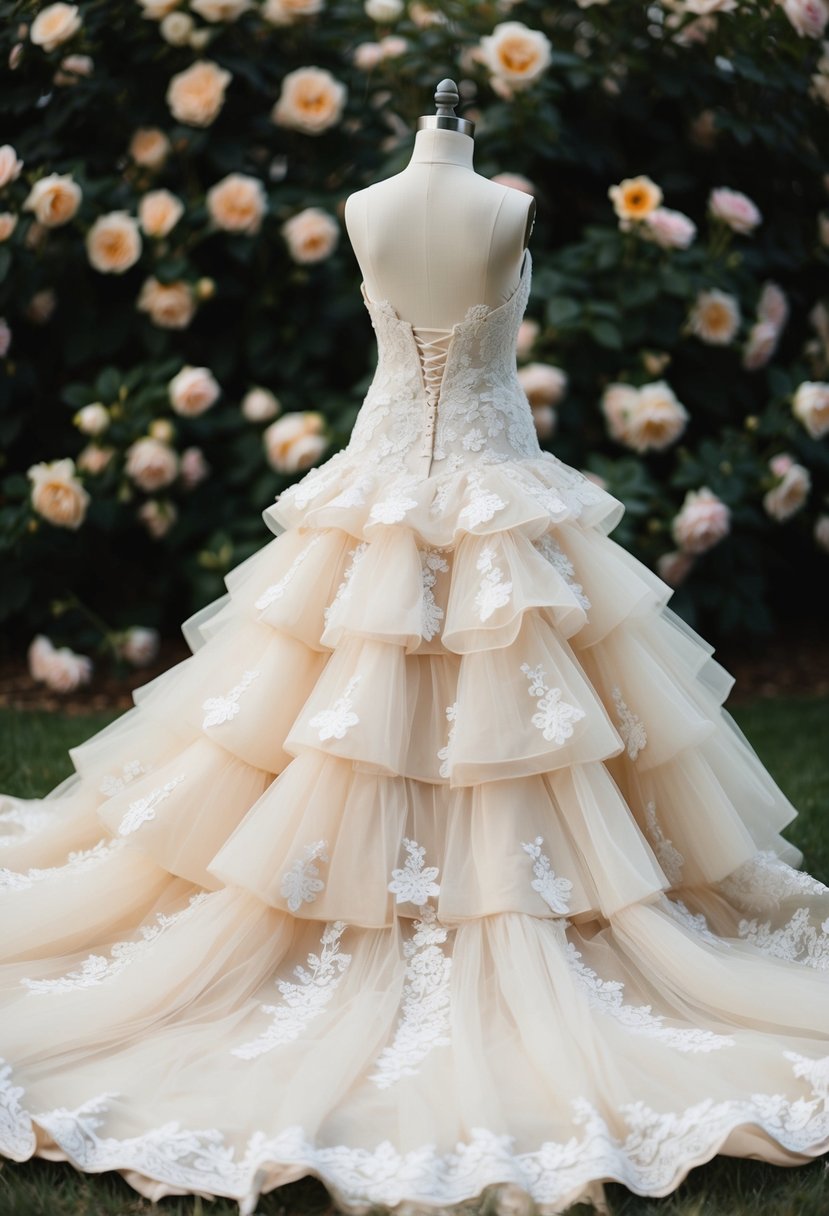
[334, 722]
[493, 593]
[302, 883]
[394, 506]
[129, 771]
[432, 563]
[443, 752]
[558, 559]
[481, 505]
[631, 727]
[223, 709]
[553, 889]
[277, 590]
[414, 883]
[343, 593]
[669, 858]
[554, 717]
[143, 809]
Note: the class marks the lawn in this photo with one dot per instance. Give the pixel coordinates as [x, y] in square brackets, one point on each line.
[792, 739]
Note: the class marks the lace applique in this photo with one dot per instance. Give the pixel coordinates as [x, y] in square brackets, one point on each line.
[354, 495]
[816, 1072]
[312, 484]
[555, 555]
[29, 819]
[553, 889]
[608, 997]
[482, 504]
[631, 727]
[17, 1138]
[443, 752]
[764, 880]
[432, 563]
[277, 590]
[343, 593]
[97, 968]
[798, 941]
[80, 859]
[669, 858]
[302, 883]
[554, 717]
[414, 883]
[493, 592]
[112, 784]
[333, 723]
[138, 812]
[303, 1000]
[223, 709]
[695, 921]
[395, 506]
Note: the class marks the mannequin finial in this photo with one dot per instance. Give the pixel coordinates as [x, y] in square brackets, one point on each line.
[445, 119]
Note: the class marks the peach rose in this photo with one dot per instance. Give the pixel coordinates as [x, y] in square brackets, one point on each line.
[526, 338]
[807, 17]
[54, 25]
[92, 419]
[237, 203]
[702, 522]
[383, 11]
[196, 95]
[810, 406]
[220, 10]
[177, 28]
[10, 165]
[60, 670]
[669, 229]
[168, 305]
[194, 468]
[311, 100]
[57, 495]
[543, 383]
[311, 235]
[715, 317]
[8, 223]
[260, 405]
[159, 211]
[113, 243]
[94, 459]
[393, 46]
[5, 337]
[286, 12]
[635, 198]
[157, 517]
[149, 147]
[792, 489]
[515, 54]
[295, 442]
[72, 69]
[139, 645]
[655, 419]
[673, 568]
[618, 402]
[193, 390]
[54, 199]
[367, 55]
[734, 209]
[151, 464]
[154, 10]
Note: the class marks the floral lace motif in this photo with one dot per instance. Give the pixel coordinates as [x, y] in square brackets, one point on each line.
[493, 593]
[443, 752]
[277, 590]
[414, 883]
[432, 563]
[798, 941]
[397, 503]
[481, 504]
[631, 727]
[554, 717]
[343, 592]
[138, 812]
[80, 859]
[669, 858]
[335, 722]
[97, 968]
[765, 880]
[548, 547]
[303, 1000]
[553, 889]
[695, 921]
[30, 819]
[223, 709]
[113, 784]
[302, 883]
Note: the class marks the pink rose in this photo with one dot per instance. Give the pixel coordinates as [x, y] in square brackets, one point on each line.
[194, 468]
[673, 568]
[60, 670]
[791, 491]
[702, 522]
[734, 209]
[151, 464]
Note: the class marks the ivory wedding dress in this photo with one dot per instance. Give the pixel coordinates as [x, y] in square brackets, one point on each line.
[437, 867]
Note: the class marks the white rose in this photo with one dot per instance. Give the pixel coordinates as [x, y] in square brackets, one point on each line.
[669, 229]
[220, 10]
[196, 95]
[54, 199]
[113, 243]
[260, 405]
[159, 211]
[157, 517]
[151, 464]
[655, 418]
[176, 28]
[57, 495]
[715, 317]
[10, 165]
[311, 100]
[194, 468]
[8, 223]
[734, 209]
[92, 419]
[702, 522]
[515, 54]
[5, 337]
[286, 12]
[367, 55]
[295, 441]
[39, 655]
[543, 383]
[139, 646]
[193, 391]
[311, 235]
[149, 147]
[55, 24]
[60, 670]
[168, 305]
[810, 406]
[788, 496]
[383, 11]
[808, 17]
[237, 203]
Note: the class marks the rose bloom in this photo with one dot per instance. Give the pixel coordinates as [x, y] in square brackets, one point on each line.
[311, 100]
[92, 419]
[772, 305]
[807, 17]
[286, 12]
[673, 568]
[392, 46]
[515, 54]
[10, 165]
[788, 496]
[113, 243]
[55, 24]
[543, 383]
[57, 495]
[5, 337]
[423, 16]
[220, 10]
[156, 9]
[760, 345]
[367, 55]
[821, 532]
[60, 670]
[39, 653]
[295, 442]
[237, 203]
[8, 223]
[383, 10]
[260, 405]
[177, 28]
[618, 402]
[196, 95]
[193, 391]
[72, 69]
[715, 317]
[54, 199]
[41, 306]
[655, 419]
[635, 198]
[159, 211]
[149, 147]
[544, 419]
[528, 332]
[669, 229]
[702, 522]
[810, 406]
[139, 645]
[168, 305]
[94, 459]
[151, 464]
[311, 235]
[734, 209]
[194, 468]
[157, 517]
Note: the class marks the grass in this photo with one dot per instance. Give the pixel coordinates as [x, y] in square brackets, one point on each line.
[791, 738]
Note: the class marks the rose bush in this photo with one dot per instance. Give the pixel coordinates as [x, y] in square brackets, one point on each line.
[181, 329]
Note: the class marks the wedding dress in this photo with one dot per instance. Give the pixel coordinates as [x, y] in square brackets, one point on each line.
[437, 867]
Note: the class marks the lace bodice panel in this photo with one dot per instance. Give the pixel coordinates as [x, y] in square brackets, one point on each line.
[442, 404]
